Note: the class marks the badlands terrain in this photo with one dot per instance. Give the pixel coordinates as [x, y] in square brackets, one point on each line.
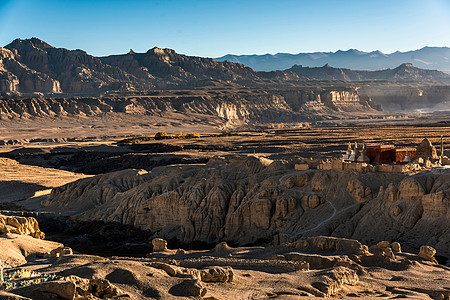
[238, 188]
[159, 175]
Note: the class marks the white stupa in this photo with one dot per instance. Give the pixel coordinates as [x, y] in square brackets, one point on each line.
[346, 156]
[363, 158]
[407, 159]
[352, 156]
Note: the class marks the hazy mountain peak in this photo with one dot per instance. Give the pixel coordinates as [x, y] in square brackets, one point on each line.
[432, 58]
[405, 65]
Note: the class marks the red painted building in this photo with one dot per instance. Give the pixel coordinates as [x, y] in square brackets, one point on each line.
[387, 154]
[400, 153]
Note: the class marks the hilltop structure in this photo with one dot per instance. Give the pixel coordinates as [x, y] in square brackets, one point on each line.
[426, 149]
[354, 155]
[377, 154]
[387, 154]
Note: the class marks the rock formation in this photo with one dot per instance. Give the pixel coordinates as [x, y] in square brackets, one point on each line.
[232, 108]
[325, 267]
[61, 251]
[20, 225]
[426, 149]
[33, 66]
[69, 71]
[404, 72]
[244, 200]
[18, 77]
[427, 252]
[159, 245]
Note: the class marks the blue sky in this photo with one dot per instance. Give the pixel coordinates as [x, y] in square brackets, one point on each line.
[214, 28]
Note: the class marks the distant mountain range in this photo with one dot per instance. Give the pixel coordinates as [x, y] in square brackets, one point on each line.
[403, 72]
[433, 58]
[32, 65]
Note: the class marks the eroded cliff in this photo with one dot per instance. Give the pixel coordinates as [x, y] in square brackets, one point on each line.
[249, 200]
[230, 107]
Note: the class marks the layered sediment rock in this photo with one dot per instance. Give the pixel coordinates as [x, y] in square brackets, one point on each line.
[18, 77]
[244, 200]
[231, 108]
[20, 225]
[64, 70]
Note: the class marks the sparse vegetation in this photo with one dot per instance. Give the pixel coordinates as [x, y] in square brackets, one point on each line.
[158, 136]
[161, 135]
[135, 140]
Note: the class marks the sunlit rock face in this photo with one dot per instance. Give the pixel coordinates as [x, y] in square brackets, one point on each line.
[246, 200]
[20, 225]
[232, 109]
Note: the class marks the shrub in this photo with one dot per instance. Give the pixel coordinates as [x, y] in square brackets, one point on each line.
[192, 135]
[161, 135]
[135, 140]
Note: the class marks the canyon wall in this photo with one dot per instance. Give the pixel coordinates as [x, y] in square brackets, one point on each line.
[231, 107]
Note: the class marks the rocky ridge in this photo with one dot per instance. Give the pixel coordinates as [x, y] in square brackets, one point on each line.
[33, 66]
[251, 200]
[231, 108]
[404, 72]
[20, 225]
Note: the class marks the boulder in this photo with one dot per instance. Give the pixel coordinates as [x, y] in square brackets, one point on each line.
[61, 251]
[396, 247]
[427, 252]
[74, 287]
[383, 244]
[102, 288]
[383, 252]
[315, 261]
[217, 274]
[159, 245]
[326, 243]
[181, 252]
[64, 289]
[176, 271]
[222, 249]
[188, 288]
[331, 281]
[20, 225]
[389, 254]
